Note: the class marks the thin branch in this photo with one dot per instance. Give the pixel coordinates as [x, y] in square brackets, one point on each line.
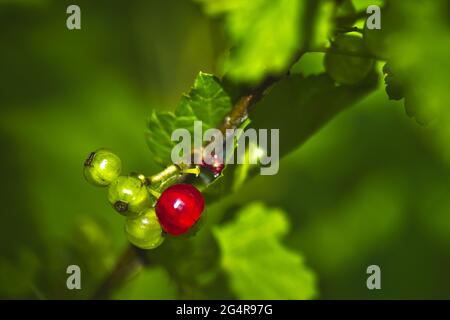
[131, 260]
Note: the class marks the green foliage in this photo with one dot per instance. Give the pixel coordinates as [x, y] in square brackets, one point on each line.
[17, 276]
[342, 66]
[266, 34]
[395, 87]
[406, 43]
[324, 24]
[158, 136]
[342, 235]
[361, 5]
[137, 288]
[380, 42]
[207, 101]
[258, 265]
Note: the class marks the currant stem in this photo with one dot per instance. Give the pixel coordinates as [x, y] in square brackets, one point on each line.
[168, 172]
[195, 170]
[154, 193]
[130, 262]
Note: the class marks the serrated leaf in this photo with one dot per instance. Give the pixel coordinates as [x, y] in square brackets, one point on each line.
[266, 34]
[158, 135]
[258, 265]
[207, 101]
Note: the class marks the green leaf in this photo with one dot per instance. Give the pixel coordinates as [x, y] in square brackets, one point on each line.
[323, 24]
[362, 5]
[258, 265]
[207, 101]
[18, 276]
[266, 34]
[160, 126]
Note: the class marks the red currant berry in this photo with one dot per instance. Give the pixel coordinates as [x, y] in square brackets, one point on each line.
[179, 207]
[214, 164]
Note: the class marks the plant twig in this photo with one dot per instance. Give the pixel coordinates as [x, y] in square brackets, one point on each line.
[131, 260]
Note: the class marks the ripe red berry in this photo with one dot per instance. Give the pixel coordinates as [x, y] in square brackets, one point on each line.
[179, 207]
[214, 164]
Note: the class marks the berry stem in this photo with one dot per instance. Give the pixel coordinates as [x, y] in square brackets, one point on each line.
[195, 171]
[154, 193]
[130, 262]
[168, 172]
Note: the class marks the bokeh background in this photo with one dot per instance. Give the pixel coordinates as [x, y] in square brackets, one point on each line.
[372, 187]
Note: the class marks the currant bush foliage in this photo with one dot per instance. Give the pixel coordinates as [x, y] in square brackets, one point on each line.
[405, 43]
[258, 265]
[207, 101]
[395, 88]
[266, 34]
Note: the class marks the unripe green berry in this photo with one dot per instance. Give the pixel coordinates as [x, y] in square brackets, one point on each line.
[128, 195]
[144, 231]
[102, 167]
[342, 66]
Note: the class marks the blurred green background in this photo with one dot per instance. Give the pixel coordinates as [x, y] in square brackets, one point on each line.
[372, 187]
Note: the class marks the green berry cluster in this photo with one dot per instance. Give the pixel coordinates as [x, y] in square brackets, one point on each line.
[128, 195]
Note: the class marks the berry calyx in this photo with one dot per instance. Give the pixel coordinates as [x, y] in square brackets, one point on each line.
[144, 231]
[102, 167]
[179, 207]
[128, 195]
